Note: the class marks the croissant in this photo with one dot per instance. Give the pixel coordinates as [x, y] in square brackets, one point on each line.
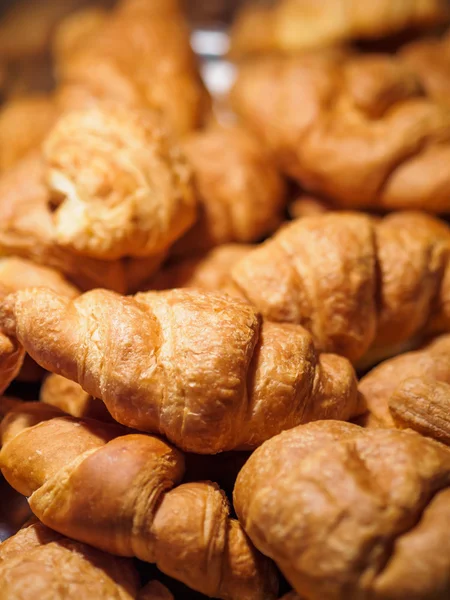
[358, 130]
[378, 386]
[208, 271]
[307, 206]
[79, 473]
[24, 122]
[351, 513]
[197, 367]
[430, 60]
[140, 55]
[296, 25]
[118, 182]
[40, 563]
[241, 195]
[31, 228]
[71, 398]
[357, 283]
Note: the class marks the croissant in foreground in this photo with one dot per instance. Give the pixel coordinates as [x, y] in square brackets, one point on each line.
[120, 492]
[40, 563]
[363, 287]
[359, 131]
[200, 368]
[351, 513]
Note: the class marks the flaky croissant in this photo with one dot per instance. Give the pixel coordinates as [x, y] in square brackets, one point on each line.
[240, 192]
[40, 563]
[356, 282]
[30, 227]
[208, 271]
[296, 25]
[198, 367]
[140, 55]
[351, 513]
[118, 182]
[379, 385]
[357, 130]
[121, 494]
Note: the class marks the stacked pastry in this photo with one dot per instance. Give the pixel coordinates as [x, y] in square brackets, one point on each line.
[194, 302]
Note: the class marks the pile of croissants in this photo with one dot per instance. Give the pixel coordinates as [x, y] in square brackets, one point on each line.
[225, 323]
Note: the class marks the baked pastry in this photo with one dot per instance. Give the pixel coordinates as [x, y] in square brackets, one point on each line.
[358, 130]
[241, 194]
[197, 367]
[351, 513]
[208, 271]
[24, 122]
[79, 473]
[379, 385]
[357, 283]
[295, 25]
[307, 206]
[430, 60]
[85, 211]
[72, 399]
[40, 563]
[118, 182]
[140, 55]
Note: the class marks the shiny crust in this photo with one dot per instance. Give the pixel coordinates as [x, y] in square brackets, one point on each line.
[82, 473]
[357, 283]
[366, 134]
[40, 563]
[200, 368]
[351, 513]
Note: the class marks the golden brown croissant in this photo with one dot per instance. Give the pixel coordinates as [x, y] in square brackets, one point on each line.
[308, 206]
[139, 56]
[121, 494]
[351, 513]
[241, 195]
[24, 122]
[430, 60]
[40, 563]
[357, 283]
[11, 360]
[32, 227]
[71, 398]
[358, 130]
[119, 183]
[208, 271]
[378, 386]
[198, 367]
[295, 25]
